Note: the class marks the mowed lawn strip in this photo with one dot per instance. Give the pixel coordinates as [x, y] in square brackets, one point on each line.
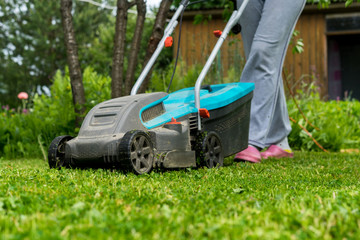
[314, 195]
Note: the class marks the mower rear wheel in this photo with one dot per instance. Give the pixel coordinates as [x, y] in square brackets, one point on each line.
[137, 152]
[56, 153]
[210, 152]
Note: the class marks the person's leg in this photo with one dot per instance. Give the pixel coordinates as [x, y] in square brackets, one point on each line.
[249, 22]
[280, 121]
[264, 66]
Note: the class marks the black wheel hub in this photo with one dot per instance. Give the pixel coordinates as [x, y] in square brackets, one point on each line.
[56, 153]
[210, 151]
[138, 152]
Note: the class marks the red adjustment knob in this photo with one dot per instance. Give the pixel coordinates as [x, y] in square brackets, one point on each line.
[204, 113]
[217, 33]
[173, 121]
[169, 41]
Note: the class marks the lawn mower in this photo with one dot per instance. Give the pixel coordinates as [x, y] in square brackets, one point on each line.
[192, 127]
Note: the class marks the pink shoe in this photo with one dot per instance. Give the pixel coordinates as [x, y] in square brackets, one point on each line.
[250, 154]
[276, 152]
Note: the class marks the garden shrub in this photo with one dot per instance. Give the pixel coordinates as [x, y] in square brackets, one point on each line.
[29, 134]
[337, 122]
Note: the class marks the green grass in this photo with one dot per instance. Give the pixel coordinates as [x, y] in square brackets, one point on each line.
[312, 196]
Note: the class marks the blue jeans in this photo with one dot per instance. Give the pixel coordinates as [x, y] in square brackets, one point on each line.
[267, 27]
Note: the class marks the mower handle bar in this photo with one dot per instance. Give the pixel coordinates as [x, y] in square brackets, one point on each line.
[168, 31]
[234, 19]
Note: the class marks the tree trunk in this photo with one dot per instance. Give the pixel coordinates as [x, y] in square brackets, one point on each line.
[119, 48]
[156, 35]
[135, 46]
[77, 87]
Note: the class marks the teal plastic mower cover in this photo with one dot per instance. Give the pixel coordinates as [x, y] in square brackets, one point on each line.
[182, 102]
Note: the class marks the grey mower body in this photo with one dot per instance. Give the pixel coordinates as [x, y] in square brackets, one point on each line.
[150, 130]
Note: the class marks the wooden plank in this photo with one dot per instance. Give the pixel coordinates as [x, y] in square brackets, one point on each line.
[316, 46]
[294, 67]
[319, 68]
[312, 48]
[183, 45]
[308, 47]
[348, 32]
[191, 37]
[182, 42]
[203, 43]
[224, 55]
[305, 55]
[219, 25]
[325, 89]
[222, 52]
[185, 42]
[208, 44]
[298, 57]
[196, 43]
[321, 54]
[289, 62]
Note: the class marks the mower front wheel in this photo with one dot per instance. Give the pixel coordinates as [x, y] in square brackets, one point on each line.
[56, 153]
[137, 152]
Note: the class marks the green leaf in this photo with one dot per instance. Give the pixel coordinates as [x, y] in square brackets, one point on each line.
[238, 190]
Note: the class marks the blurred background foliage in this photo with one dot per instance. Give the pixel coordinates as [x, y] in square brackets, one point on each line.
[32, 43]
[33, 56]
[29, 133]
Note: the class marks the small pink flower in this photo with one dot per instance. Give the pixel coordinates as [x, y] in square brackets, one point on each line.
[338, 99]
[6, 107]
[23, 95]
[25, 111]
